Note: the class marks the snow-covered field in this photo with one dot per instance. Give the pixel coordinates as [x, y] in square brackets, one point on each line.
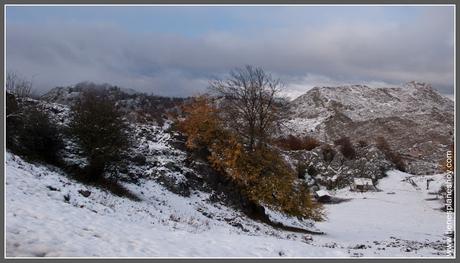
[400, 220]
[47, 216]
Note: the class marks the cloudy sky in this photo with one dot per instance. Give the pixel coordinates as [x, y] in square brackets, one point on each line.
[175, 50]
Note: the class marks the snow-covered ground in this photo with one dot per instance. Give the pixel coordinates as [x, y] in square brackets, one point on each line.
[46, 215]
[400, 220]
[41, 223]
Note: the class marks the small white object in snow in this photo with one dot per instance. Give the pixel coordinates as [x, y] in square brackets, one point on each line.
[322, 193]
[362, 184]
[362, 181]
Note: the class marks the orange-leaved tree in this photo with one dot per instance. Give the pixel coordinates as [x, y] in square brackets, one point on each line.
[201, 124]
[260, 172]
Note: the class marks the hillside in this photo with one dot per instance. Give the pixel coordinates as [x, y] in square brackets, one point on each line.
[188, 210]
[415, 120]
[47, 215]
[137, 106]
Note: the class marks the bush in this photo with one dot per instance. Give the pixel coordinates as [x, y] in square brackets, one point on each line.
[266, 179]
[30, 133]
[310, 143]
[312, 171]
[293, 143]
[282, 191]
[100, 129]
[394, 157]
[13, 120]
[346, 147]
[201, 124]
[328, 153]
[301, 169]
[362, 143]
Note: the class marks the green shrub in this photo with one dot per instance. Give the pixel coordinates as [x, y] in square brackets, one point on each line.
[30, 132]
[101, 130]
[328, 153]
[301, 169]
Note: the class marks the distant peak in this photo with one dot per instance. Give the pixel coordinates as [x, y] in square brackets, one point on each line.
[417, 85]
[357, 86]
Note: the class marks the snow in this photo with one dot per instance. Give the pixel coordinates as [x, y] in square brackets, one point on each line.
[303, 124]
[362, 103]
[322, 193]
[39, 222]
[278, 217]
[362, 181]
[402, 220]
[399, 211]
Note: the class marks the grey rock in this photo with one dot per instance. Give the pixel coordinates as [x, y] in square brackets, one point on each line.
[85, 193]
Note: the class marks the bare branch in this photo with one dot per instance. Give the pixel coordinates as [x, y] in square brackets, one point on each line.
[17, 85]
[249, 102]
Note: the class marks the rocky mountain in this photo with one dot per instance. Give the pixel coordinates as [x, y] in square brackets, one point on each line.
[414, 119]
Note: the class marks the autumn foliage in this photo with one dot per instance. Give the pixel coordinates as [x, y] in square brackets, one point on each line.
[201, 123]
[293, 143]
[261, 174]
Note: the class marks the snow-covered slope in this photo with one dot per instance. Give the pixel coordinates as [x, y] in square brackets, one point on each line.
[47, 215]
[40, 222]
[413, 118]
[181, 215]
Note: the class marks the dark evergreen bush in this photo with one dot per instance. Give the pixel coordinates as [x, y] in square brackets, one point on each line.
[30, 132]
[346, 147]
[101, 130]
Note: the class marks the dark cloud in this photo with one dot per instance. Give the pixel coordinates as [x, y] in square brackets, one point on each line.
[171, 64]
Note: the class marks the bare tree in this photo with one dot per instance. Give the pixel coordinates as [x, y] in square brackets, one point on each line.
[250, 103]
[11, 79]
[18, 86]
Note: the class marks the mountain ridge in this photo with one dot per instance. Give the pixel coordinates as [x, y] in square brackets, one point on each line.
[415, 119]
